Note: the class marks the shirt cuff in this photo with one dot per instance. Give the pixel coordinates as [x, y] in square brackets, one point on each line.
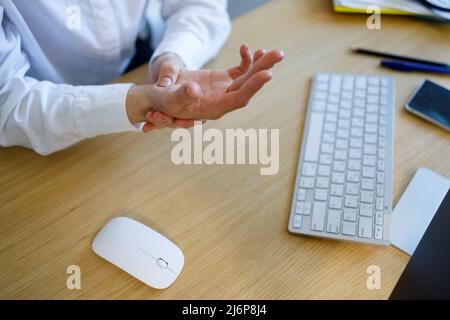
[99, 110]
[186, 45]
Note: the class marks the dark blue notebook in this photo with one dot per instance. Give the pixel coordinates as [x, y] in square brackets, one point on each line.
[427, 275]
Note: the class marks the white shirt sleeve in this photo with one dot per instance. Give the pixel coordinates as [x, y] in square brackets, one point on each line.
[48, 117]
[195, 30]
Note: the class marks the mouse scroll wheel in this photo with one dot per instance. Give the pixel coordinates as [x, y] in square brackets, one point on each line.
[162, 263]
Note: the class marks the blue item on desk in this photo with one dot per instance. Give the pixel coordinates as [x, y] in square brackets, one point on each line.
[412, 66]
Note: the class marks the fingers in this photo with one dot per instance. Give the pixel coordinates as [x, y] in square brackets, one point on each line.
[158, 120]
[168, 74]
[240, 98]
[246, 63]
[148, 127]
[265, 62]
[258, 55]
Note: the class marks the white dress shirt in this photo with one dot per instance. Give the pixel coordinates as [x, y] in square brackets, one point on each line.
[55, 57]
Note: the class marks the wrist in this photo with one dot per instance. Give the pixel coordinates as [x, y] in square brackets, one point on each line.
[138, 103]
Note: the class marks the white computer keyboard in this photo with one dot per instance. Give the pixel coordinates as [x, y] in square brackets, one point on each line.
[343, 187]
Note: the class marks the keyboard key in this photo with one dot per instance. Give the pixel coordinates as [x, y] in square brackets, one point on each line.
[357, 122]
[381, 165]
[338, 177]
[371, 118]
[357, 132]
[327, 148]
[318, 216]
[323, 77]
[374, 82]
[340, 155]
[365, 227]
[335, 203]
[352, 188]
[315, 132]
[321, 195]
[323, 182]
[366, 210]
[343, 134]
[355, 154]
[330, 117]
[297, 221]
[367, 184]
[368, 172]
[328, 137]
[303, 208]
[309, 169]
[356, 143]
[371, 128]
[359, 112]
[346, 104]
[370, 149]
[379, 204]
[318, 105]
[360, 94]
[337, 190]
[351, 201]
[361, 83]
[344, 123]
[347, 95]
[335, 84]
[379, 217]
[339, 166]
[342, 144]
[324, 171]
[330, 127]
[379, 232]
[326, 159]
[380, 190]
[334, 221]
[334, 98]
[350, 214]
[319, 95]
[332, 106]
[322, 86]
[353, 176]
[373, 90]
[307, 183]
[349, 228]
[370, 138]
[367, 196]
[301, 194]
[369, 160]
[348, 83]
[354, 164]
[380, 177]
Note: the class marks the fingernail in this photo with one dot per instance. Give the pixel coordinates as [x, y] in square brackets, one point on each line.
[165, 82]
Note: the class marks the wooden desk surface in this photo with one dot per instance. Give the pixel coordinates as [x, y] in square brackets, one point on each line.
[230, 222]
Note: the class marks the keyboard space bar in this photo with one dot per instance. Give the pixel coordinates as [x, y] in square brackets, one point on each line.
[314, 137]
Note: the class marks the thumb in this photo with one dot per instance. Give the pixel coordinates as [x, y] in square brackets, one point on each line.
[186, 94]
[168, 75]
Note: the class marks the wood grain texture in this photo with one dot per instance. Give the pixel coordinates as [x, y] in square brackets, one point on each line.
[230, 222]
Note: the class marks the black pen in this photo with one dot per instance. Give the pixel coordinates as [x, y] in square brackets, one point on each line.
[399, 57]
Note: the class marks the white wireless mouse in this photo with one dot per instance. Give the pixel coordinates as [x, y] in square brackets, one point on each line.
[139, 251]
